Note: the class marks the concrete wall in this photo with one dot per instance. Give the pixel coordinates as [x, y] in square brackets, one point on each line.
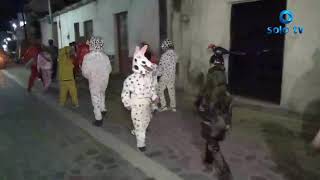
[210, 22]
[143, 23]
[301, 73]
[46, 32]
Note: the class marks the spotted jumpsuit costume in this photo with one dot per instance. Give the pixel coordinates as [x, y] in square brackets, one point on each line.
[138, 93]
[167, 72]
[96, 68]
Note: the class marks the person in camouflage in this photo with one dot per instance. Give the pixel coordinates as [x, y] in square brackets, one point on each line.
[214, 106]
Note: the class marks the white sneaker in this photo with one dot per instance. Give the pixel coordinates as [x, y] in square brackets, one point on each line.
[174, 110]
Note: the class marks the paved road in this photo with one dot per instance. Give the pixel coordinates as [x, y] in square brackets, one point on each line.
[37, 143]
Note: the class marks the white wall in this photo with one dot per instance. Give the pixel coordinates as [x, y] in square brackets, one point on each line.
[68, 19]
[210, 22]
[143, 19]
[301, 73]
[46, 31]
[143, 23]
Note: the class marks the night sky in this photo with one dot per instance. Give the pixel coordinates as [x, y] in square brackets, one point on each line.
[8, 11]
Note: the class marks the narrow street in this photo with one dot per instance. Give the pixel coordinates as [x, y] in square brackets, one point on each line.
[36, 143]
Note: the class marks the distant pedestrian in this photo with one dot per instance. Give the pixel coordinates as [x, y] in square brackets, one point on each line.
[54, 56]
[66, 77]
[44, 65]
[167, 73]
[96, 68]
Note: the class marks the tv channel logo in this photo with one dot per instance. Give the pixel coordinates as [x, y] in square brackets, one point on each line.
[286, 17]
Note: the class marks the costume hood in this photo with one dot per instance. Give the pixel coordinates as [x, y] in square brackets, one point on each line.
[96, 44]
[166, 44]
[140, 64]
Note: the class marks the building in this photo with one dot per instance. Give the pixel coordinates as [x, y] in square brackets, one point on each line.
[282, 69]
[121, 23]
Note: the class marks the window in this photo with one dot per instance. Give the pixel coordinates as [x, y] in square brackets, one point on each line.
[76, 31]
[88, 29]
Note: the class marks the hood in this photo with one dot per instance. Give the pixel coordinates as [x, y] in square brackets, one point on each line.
[140, 63]
[64, 54]
[96, 44]
[166, 44]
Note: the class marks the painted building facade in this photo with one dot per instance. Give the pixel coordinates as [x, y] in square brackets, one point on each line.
[134, 21]
[195, 24]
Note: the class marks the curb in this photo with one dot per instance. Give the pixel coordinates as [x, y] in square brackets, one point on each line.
[149, 167]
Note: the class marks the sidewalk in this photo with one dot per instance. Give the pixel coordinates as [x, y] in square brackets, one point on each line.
[174, 140]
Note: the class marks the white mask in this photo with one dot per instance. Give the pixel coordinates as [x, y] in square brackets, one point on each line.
[140, 64]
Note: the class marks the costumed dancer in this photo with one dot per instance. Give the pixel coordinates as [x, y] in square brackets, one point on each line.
[66, 77]
[44, 65]
[215, 108]
[139, 93]
[167, 73]
[30, 59]
[96, 68]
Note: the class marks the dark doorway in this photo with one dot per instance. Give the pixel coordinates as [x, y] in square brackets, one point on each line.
[163, 19]
[88, 29]
[55, 34]
[76, 32]
[123, 48]
[259, 73]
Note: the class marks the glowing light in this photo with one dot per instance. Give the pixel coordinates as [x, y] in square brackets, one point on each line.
[4, 46]
[14, 25]
[8, 39]
[21, 23]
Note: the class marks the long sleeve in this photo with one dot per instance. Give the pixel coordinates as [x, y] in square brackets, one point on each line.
[85, 68]
[126, 94]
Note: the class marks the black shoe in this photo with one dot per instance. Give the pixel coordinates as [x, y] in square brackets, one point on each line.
[98, 123]
[142, 149]
[104, 113]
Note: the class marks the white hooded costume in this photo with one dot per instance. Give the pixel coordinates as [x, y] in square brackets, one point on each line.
[138, 93]
[167, 72]
[96, 68]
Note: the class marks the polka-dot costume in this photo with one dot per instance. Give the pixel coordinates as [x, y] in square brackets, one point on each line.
[96, 68]
[167, 71]
[138, 92]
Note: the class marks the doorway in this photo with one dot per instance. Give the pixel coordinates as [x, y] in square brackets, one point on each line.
[122, 43]
[88, 29]
[55, 34]
[258, 74]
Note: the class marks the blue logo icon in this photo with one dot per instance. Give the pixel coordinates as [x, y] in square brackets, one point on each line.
[285, 17]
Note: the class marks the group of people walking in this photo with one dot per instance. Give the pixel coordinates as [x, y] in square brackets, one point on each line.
[143, 90]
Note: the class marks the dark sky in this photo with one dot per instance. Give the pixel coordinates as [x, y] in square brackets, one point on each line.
[8, 11]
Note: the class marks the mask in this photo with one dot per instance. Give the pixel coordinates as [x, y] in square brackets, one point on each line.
[140, 64]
